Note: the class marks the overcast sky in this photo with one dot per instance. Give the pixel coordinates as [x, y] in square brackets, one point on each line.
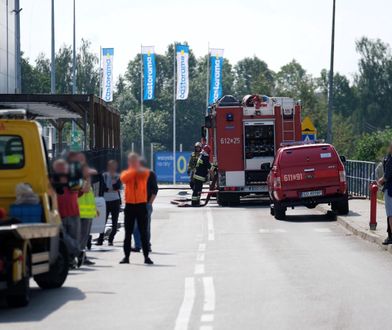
[274, 30]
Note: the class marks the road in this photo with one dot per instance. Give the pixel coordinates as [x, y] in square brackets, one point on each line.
[224, 268]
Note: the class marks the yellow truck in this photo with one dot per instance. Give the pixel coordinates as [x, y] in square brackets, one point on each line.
[27, 250]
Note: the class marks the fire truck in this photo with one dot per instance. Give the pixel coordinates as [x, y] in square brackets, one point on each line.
[244, 137]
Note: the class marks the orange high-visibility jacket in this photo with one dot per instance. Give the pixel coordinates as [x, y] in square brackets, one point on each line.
[135, 185]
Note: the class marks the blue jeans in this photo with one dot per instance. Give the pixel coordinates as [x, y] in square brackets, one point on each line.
[136, 233]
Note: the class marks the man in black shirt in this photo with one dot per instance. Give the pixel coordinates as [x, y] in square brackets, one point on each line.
[152, 191]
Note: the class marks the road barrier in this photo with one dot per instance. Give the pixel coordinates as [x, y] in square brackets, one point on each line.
[360, 175]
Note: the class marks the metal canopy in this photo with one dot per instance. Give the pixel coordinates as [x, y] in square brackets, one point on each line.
[99, 121]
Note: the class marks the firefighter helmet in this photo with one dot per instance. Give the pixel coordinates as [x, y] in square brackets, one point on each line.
[198, 145]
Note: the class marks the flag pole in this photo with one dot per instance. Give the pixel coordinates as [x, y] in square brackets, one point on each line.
[141, 101]
[208, 77]
[174, 114]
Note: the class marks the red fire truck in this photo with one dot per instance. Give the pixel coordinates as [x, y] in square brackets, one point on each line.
[244, 137]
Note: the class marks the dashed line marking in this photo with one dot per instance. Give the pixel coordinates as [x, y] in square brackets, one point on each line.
[267, 231]
[202, 247]
[199, 269]
[200, 256]
[207, 318]
[209, 294]
[206, 327]
[210, 226]
[185, 311]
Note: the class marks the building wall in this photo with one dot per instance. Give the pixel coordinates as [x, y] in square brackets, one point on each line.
[7, 47]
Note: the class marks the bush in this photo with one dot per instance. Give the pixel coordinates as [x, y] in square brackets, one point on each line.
[372, 147]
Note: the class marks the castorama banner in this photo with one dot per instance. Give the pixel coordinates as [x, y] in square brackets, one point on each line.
[182, 52]
[216, 65]
[149, 72]
[107, 79]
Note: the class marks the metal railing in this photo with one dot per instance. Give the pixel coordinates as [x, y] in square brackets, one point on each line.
[359, 175]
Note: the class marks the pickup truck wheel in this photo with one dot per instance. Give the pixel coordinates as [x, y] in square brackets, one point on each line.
[58, 271]
[279, 212]
[341, 207]
[20, 293]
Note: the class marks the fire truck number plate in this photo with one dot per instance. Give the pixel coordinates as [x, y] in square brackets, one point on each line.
[228, 140]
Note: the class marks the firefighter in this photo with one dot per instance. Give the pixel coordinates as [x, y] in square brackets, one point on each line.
[192, 162]
[203, 166]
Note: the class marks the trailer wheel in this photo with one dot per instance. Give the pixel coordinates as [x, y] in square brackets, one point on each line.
[222, 200]
[341, 207]
[19, 295]
[58, 271]
[279, 212]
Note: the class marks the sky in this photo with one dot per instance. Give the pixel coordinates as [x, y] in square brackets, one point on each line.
[276, 31]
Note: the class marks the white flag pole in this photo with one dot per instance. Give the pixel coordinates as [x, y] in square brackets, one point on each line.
[141, 101]
[208, 77]
[174, 114]
[100, 72]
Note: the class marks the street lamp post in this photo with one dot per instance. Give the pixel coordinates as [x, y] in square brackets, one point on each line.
[331, 75]
[52, 59]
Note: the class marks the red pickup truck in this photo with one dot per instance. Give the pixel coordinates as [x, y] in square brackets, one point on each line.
[307, 175]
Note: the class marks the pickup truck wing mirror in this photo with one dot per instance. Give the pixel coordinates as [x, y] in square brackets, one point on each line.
[266, 167]
[343, 159]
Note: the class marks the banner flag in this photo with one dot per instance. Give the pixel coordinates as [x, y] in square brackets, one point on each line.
[216, 66]
[149, 72]
[107, 86]
[182, 52]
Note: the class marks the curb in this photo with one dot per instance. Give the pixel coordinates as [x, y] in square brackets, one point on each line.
[365, 234]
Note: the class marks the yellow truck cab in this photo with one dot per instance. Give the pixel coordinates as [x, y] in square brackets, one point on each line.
[27, 249]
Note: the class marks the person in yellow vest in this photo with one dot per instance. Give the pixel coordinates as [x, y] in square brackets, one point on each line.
[135, 179]
[88, 211]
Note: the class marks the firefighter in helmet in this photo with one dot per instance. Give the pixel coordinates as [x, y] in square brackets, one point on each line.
[203, 167]
[192, 162]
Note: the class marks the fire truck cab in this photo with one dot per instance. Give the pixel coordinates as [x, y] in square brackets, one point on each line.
[244, 137]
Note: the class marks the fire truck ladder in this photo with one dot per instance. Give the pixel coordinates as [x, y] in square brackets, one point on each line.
[288, 127]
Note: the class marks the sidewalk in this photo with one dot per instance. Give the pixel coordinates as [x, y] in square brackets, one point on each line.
[357, 221]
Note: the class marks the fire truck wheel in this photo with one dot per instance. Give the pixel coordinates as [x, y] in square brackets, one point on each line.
[279, 212]
[58, 271]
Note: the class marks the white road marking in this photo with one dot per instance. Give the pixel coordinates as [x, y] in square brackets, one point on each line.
[209, 294]
[210, 226]
[199, 269]
[322, 230]
[202, 247]
[185, 311]
[207, 318]
[200, 256]
[267, 231]
[206, 327]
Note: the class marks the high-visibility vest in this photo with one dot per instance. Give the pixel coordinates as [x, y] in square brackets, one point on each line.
[87, 206]
[12, 159]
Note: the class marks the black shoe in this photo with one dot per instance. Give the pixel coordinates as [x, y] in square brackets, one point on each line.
[134, 249]
[81, 259]
[110, 243]
[387, 241]
[88, 262]
[99, 243]
[148, 261]
[124, 261]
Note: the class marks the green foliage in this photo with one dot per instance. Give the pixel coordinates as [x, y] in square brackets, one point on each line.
[372, 147]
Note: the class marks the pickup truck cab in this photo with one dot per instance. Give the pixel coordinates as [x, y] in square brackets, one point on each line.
[33, 248]
[307, 175]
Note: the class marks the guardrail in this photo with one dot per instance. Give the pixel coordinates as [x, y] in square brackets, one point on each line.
[359, 175]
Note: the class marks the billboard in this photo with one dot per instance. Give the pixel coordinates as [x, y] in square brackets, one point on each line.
[163, 166]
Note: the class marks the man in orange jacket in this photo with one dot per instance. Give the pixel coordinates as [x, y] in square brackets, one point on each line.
[135, 180]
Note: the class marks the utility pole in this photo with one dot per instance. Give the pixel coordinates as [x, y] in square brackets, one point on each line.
[53, 64]
[17, 11]
[331, 76]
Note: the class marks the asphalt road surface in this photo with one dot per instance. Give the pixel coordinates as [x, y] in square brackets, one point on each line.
[224, 268]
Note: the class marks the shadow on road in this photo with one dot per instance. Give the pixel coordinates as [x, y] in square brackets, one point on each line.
[42, 304]
[328, 217]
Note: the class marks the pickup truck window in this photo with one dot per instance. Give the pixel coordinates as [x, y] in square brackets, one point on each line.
[11, 152]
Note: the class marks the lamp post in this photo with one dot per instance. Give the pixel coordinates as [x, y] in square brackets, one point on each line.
[52, 59]
[331, 75]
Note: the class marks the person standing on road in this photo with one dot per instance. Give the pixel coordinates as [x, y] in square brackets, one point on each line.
[111, 193]
[386, 182]
[152, 191]
[203, 167]
[135, 179]
[193, 161]
[88, 211]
